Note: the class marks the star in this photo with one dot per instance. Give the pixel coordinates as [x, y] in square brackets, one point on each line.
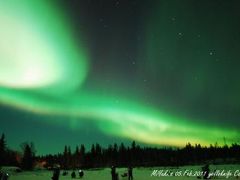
[180, 34]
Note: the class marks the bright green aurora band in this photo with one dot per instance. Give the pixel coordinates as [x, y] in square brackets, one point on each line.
[38, 60]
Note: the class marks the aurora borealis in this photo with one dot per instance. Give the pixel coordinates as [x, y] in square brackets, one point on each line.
[31, 47]
[160, 73]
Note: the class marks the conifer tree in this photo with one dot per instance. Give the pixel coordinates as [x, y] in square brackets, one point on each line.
[28, 158]
[2, 150]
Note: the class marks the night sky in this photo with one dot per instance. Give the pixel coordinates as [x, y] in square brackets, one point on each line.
[161, 72]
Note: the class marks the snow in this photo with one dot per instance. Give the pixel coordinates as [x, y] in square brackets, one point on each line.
[138, 173]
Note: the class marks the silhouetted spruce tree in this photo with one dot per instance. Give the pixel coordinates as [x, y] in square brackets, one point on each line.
[92, 156]
[123, 155]
[98, 155]
[28, 158]
[188, 153]
[76, 158]
[65, 158]
[2, 150]
[82, 155]
[109, 155]
[69, 159]
[133, 153]
[115, 154]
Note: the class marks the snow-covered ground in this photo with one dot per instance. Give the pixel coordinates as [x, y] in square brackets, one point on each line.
[184, 172]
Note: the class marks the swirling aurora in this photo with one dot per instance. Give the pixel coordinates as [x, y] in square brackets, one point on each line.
[43, 69]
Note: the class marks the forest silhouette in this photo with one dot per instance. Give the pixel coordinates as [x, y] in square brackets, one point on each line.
[119, 155]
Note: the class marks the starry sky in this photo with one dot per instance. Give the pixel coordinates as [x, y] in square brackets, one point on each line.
[159, 72]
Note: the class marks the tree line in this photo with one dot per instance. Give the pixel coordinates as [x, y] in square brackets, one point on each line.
[134, 155]
[121, 155]
[26, 159]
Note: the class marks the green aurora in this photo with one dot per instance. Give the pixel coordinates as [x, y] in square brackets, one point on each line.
[42, 68]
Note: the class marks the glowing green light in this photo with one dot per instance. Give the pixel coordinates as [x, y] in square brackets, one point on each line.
[37, 50]
[39, 59]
